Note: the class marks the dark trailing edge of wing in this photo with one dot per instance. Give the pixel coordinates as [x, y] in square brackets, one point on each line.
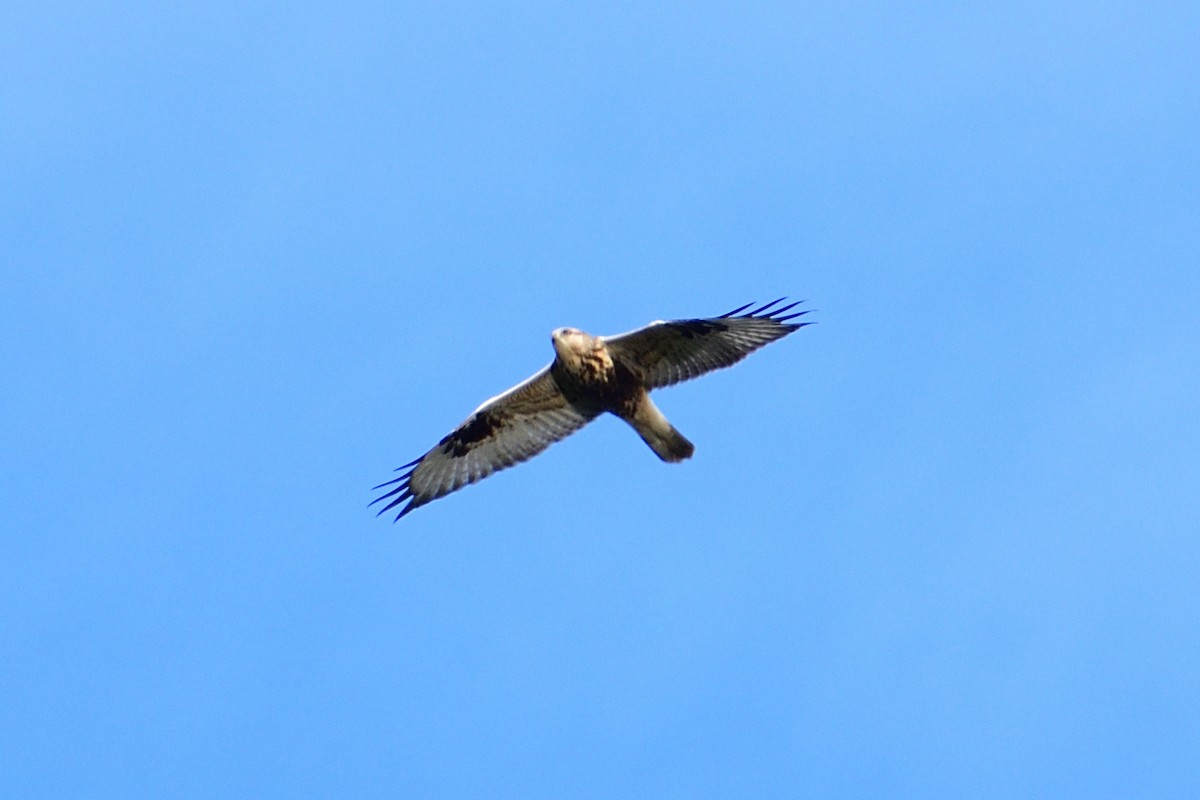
[774, 314]
[401, 492]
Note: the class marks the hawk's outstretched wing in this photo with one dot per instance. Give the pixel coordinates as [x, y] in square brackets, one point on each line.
[505, 430]
[670, 352]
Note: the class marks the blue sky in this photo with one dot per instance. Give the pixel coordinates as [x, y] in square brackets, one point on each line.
[942, 544]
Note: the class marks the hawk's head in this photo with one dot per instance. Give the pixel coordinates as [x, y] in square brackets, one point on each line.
[573, 346]
[570, 342]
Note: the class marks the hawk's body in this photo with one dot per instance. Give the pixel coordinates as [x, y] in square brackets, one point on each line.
[589, 376]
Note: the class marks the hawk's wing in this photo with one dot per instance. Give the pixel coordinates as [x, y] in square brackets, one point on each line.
[505, 430]
[670, 352]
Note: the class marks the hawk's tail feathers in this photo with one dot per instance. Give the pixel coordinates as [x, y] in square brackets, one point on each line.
[671, 446]
[666, 442]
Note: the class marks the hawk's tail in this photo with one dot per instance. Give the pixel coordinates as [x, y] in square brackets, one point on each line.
[671, 447]
[667, 443]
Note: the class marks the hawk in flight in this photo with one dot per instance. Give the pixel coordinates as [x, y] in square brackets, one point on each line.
[589, 375]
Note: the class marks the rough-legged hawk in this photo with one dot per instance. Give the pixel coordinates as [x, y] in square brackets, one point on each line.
[589, 375]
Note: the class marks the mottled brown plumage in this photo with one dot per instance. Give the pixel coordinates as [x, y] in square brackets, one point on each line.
[590, 375]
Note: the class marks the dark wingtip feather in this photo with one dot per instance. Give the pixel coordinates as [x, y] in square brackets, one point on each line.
[785, 309]
[397, 500]
[399, 490]
[737, 310]
[389, 483]
[401, 487]
[761, 309]
[411, 505]
[793, 316]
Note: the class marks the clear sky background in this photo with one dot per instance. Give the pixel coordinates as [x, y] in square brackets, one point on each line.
[944, 543]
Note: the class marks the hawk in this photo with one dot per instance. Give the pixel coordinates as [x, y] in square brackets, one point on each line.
[589, 376]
